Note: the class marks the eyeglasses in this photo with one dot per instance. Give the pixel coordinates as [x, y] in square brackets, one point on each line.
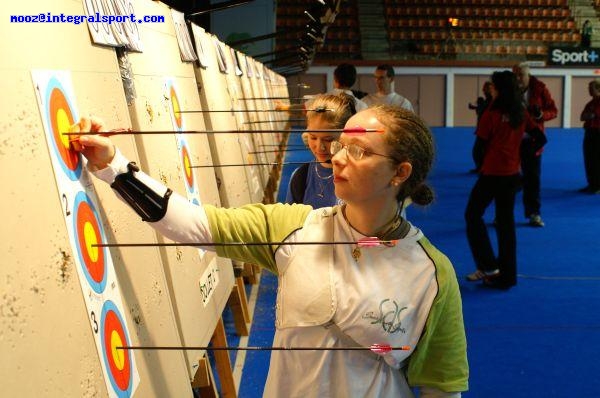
[356, 152]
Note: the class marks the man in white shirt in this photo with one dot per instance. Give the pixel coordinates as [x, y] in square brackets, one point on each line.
[344, 77]
[384, 80]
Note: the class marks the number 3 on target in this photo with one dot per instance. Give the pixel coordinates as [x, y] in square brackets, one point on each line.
[93, 316]
[67, 211]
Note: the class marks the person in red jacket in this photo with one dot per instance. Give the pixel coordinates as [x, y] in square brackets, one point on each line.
[542, 108]
[590, 116]
[501, 129]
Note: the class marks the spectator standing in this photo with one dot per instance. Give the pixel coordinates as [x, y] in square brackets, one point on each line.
[384, 80]
[586, 33]
[590, 116]
[501, 128]
[542, 108]
[344, 77]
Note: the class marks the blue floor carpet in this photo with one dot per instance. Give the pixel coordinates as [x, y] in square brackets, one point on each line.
[539, 338]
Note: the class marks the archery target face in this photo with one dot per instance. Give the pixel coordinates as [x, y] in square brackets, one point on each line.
[60, 118]
[88, 231]
[117, 361]
[176, 109]
[187, 169]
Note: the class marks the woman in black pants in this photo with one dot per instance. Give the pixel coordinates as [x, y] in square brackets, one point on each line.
[501, 128]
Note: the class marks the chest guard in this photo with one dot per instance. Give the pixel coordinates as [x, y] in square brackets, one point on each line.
[307, 291]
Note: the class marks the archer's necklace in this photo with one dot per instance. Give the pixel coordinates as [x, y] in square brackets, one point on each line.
[396, 228]
[320, 180]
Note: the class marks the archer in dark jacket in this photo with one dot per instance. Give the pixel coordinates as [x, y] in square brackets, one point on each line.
[542, 108]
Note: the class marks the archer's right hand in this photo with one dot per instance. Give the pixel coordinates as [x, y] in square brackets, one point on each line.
[98, 150]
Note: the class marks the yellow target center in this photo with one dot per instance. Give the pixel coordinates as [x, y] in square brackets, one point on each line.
[64, 125]
[91, 239]
[117, 355]
[186, 164]
[176, 109]
[175, 105]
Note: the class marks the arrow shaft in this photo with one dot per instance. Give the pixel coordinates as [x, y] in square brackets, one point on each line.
[272, 121]
[282, 145]
[244, 110]
[276, 151]
[165, 132]
[272, 98]
[247, 164]
[182, 348]
[213, 244]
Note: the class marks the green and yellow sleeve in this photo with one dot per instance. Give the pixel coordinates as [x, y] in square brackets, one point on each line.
[254, 223]
[440, 359]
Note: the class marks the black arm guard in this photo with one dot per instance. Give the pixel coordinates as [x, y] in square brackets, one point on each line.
[147, 203]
